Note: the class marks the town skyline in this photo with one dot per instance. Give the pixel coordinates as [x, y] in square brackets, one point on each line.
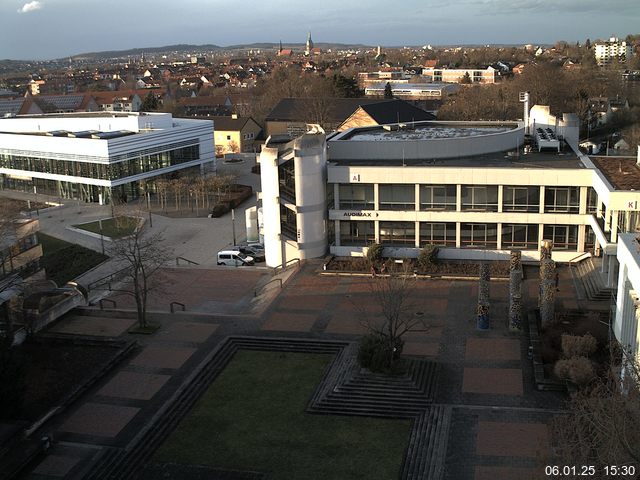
[195, 22]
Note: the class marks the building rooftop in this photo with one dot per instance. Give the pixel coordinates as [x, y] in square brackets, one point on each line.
[506, 159]
[425, 132]
[622, 172]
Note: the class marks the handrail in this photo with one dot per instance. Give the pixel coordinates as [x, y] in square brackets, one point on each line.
[172, 304]
[113, 302]
[186, 260]
[582, 254]
[107, 278]
[255, 292]
[285, 264]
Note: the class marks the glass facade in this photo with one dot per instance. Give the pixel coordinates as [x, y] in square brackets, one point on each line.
[286, 177]
[288, 223]
[102, 171]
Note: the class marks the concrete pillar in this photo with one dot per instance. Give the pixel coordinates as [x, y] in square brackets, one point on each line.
[583, 200]
[376, 197]
[500, 196]
[541, 210]
[417, 197]
[458, 198]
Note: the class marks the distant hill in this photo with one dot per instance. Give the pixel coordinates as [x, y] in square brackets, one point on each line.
[186, 48]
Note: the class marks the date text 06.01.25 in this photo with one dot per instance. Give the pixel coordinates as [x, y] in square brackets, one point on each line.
[608, 471]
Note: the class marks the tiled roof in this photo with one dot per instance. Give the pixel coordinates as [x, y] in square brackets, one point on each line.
[298, 109]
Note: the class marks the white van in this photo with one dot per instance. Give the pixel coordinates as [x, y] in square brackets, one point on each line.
[234, 258]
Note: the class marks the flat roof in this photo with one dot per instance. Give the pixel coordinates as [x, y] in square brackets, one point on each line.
[390, 133]
[621, 172]
[513, 158]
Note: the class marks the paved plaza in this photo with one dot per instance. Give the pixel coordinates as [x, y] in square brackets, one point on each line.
[500, 422]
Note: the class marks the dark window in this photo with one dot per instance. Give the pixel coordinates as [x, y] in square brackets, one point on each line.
[520, 199]
[520, 237]
[437, 197]
[441, 234]
[479, 235]
[356, 196]
[399, 234]
[564, 237]
[397, 197]
[357, 233]
[482, 198]
[562, 199]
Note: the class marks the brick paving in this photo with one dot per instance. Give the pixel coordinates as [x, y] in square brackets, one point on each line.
[499, 423]
[137, 386]
[100, 420]
[494, 381]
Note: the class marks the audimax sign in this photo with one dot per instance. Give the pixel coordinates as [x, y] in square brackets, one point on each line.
[360, 214]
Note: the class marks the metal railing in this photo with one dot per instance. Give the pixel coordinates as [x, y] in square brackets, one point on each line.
[172, 306]
[108, 279]
[283, 267]
[190, 262]
[102, 300]
[263, 287]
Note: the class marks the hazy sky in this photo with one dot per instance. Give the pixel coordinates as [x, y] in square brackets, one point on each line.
[44, 29]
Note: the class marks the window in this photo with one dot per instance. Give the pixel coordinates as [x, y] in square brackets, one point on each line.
[564, 237]
[561, 199]
[592, 200]
[397, 197]
[480, 198]
[288, 223]
[479, 235]
[520, 237]
[357, 233]
[286, 176]
[437, 197]
[441, 234]
[356, 196]
[520, 199]
[399, 234]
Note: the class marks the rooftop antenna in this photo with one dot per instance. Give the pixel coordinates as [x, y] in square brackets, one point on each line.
[524, 98]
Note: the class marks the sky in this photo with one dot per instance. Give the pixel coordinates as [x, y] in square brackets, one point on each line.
[49, 29]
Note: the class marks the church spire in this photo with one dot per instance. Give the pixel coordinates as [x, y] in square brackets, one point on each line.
[309, 45]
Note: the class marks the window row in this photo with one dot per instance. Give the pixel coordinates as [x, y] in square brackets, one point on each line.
[472, 235]
[100, 171]
[481, 198]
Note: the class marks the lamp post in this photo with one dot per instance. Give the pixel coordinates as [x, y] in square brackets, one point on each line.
[233, 224]
[149, 208]
[35, 193]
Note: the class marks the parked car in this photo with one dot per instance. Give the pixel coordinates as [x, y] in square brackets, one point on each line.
[251, 250]
[234, 258]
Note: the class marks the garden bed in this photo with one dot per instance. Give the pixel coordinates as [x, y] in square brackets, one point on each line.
[499, 269]
[546, 347]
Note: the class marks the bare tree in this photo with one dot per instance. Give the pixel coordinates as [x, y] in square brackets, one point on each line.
[394, 296]
[602, 424]
[142, 255]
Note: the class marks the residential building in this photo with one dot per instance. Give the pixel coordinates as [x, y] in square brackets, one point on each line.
[99, 156]
[234, 134]
[613, 49]
[118, 101]
[385, 112]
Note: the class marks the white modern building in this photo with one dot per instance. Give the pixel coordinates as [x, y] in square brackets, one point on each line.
[413, 91]
[475, 189]
[606, 52]
[458, 75]
[97, 156]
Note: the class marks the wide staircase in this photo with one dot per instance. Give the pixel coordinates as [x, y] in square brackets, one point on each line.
[592, 281]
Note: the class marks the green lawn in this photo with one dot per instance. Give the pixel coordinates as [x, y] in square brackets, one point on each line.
[64, 261]
[112, 227]
[252, 418]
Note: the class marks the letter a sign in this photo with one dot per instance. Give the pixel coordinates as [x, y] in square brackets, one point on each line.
[355, 178]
